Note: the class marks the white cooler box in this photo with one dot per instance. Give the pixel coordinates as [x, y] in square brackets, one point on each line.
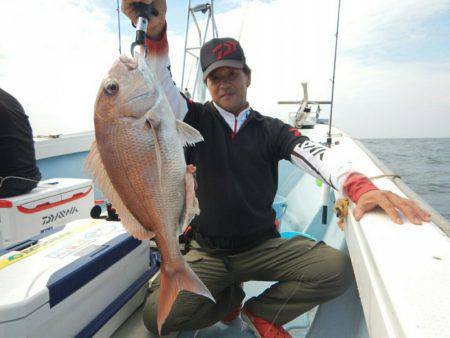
[52, 203]
[81, 281]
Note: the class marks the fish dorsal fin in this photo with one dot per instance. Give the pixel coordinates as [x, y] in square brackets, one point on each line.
[95, 166]
[188, 135]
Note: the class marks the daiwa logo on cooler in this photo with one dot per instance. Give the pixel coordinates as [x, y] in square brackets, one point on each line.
[59, 215]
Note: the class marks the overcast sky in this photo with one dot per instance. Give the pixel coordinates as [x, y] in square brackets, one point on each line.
[393, 66]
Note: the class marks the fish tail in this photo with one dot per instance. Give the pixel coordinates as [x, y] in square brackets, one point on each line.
[174, 281]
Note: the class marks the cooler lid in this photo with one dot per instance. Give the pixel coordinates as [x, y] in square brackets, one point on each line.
[48, 188]
[58, 265]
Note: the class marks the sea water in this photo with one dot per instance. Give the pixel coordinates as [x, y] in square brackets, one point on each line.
[423, 164]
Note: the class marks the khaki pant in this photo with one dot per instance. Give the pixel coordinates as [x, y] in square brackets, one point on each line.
[308, 273]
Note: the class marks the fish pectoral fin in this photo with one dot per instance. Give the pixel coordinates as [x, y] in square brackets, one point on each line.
[94, 165]
[158, 151]
[153, 118]
[188, 135]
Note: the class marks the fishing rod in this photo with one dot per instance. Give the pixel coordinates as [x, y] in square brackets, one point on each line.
[334, 76]
[326, 189]
[118, 25]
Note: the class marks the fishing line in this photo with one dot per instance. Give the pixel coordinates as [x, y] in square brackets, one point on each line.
[244, 18]
[118, 26]
[286, 301]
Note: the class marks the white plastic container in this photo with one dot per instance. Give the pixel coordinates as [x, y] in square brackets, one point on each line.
[52, 203]
[80, 281]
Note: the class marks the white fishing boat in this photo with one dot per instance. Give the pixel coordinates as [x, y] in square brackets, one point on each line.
[402, 272]
[396, 267]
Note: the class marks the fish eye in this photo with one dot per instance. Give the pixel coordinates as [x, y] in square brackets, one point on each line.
[111, 87]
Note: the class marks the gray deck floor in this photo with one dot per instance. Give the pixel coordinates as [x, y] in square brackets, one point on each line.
[135, 328]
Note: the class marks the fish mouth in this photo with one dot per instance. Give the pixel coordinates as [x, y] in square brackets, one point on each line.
[137, 97]
[129, 63]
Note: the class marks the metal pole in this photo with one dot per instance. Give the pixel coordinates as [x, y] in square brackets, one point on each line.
[334, 74]
[215, 30]
[118, 25]
[185, 44]
[199, 69]
[198, 86]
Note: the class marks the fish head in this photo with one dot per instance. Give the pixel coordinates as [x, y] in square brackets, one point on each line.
[128, 92]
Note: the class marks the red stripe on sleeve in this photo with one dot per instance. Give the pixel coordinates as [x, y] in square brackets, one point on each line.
[158, 46]
[357, 184]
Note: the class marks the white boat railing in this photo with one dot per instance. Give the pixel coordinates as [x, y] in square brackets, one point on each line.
[65, 144]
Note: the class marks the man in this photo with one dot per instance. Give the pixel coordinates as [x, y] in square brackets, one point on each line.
[18, 171]
[234, 238]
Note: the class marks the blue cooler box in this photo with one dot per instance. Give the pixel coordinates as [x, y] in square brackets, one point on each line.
[280, 206]
[83, 280]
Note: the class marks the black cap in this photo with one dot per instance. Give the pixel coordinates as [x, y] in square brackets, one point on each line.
[221, 52]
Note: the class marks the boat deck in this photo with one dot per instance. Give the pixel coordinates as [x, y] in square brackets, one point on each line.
[320, 322]
[298, 328]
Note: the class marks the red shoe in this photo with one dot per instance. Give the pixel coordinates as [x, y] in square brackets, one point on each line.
[262, 328]
[232, 315]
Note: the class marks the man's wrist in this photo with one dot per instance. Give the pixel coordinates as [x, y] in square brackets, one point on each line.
[158, 45]
[157, 34]
[154, 33]
[356, 185]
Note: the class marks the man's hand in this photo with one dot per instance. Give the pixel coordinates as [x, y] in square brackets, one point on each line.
[156, 23]
[390, 202]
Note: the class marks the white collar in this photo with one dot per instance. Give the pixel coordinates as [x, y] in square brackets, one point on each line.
[234, 122]
[227, 115]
